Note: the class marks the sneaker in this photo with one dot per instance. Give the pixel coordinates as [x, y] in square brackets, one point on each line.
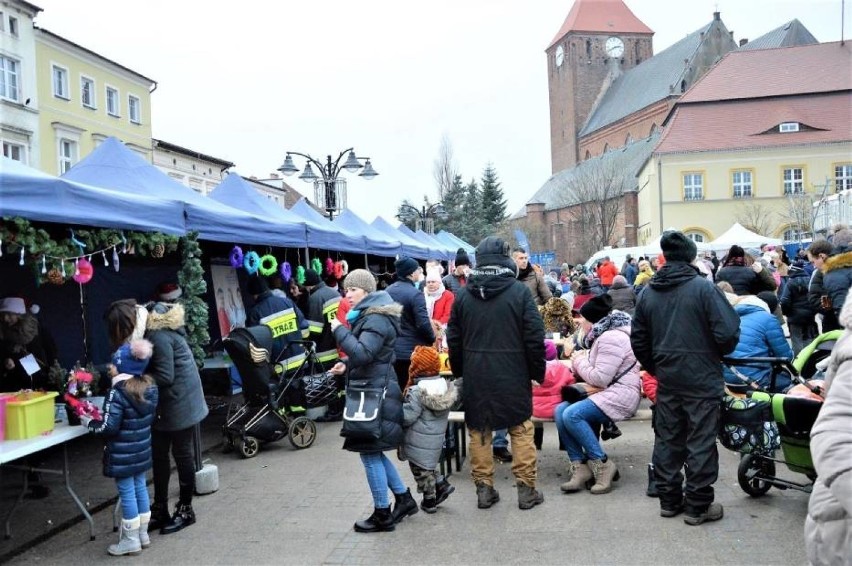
[502, 454]
[713, 513]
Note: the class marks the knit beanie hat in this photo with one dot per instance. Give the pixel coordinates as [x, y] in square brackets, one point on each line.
[132, 358]
[677, 247]
[596, 308]
[405, 266]
[550, 350]
[360, 279]
[424, 362]
[736, 251]
[432, 274]
[256, 285]
[462, 257]
[312, 278]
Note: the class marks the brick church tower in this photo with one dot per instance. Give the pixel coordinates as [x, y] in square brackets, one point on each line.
[599, 40]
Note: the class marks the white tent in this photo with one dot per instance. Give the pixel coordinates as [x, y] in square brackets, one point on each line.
[741, 236]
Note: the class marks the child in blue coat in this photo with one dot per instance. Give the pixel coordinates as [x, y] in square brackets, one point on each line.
[128, 413]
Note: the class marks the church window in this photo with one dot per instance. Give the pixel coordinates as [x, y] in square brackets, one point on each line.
[683, 85]
[636, 54]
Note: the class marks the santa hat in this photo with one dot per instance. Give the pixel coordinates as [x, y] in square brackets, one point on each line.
[169, 292]
[14, 305]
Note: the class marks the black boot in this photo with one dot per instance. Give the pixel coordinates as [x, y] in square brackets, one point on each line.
[159, 516]
[380, 520]
[405, 506]
[538, 437]
[610, 431]
[443, 489]
[652, 483]
[184, 516]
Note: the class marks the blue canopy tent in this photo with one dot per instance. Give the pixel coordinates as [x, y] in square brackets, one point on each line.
[235, 192]
[455, 242]
[377, 243]
[35, 195]
[433, 241]
[322, 233]
[113, 166]
[436, 251]
[410, 246]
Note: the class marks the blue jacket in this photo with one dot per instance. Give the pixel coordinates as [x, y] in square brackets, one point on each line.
[267, 305]
[127, 428]
[760, 336]
[415, 327]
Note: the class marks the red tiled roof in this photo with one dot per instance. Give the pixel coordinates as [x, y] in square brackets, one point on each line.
[741, 124]
[605, 16]
[822, 67]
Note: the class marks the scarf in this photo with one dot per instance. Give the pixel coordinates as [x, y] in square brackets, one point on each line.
[522, 273]
[432, 298]
[615, 319]
[352, 316]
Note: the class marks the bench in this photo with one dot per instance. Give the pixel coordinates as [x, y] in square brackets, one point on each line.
[455, 446]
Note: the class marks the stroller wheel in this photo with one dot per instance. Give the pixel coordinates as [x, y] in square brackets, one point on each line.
[227, 444]
[249, 447]
[752, 473]
[302, 432]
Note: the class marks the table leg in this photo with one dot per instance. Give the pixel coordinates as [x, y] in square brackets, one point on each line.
[8, 530]
[73, 495]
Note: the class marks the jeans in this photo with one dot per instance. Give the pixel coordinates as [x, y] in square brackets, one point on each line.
[134, 495]
[574, 422]
[381, 474]
[180, 443]
[500, 439]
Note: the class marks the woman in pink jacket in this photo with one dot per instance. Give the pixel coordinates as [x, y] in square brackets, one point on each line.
[611, 366]
[557, 375]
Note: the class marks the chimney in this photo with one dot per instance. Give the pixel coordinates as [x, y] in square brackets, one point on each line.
[253, 178]
[717, 16]
[273, 176]
[743, 41]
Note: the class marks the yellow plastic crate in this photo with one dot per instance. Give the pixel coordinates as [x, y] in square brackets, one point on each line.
[29, 415]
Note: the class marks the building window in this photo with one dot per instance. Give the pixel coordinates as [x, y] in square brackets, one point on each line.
[696, 237]
[112, 101]
[87, 92]
[13, 26]
[693, 186]
[9, 78]
[14, 151]
[785, 127]
[843, 177]
[741, 181]
[794, 181]
[60, 83]
[67, 154]
[133, 109]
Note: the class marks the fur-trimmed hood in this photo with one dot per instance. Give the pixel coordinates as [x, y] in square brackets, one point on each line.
[838, 261]
[168, 316]
[24, 331]
[437, 401]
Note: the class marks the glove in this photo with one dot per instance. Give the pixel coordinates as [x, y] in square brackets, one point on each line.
[85, 420]
[757, 267]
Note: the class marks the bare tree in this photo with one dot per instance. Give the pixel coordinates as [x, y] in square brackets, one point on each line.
[755, 217]
[444, 169]
[803, 209]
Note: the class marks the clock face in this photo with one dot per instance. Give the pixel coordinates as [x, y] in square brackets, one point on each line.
[560, 56]
[614, 47]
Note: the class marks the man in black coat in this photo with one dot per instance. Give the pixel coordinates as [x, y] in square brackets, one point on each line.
[415, 328]
[682, 327]
[496, 341]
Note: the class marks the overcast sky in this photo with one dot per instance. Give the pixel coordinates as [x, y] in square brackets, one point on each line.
[247, 81]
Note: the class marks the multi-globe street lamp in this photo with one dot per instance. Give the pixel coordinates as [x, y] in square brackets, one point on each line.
[425, 216]
[329, 189]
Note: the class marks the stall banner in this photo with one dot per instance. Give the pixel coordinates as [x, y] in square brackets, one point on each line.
[230, 311]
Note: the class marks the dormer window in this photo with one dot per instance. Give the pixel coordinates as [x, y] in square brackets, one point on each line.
[785, 127]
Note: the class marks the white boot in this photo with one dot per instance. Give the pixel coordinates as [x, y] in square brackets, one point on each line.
[128, 539]
[144, 539]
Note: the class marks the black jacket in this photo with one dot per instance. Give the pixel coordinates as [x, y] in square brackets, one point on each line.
[266, 305]
[794, 300]
[744, 280]
[682, 326]
[496, 341]
[126, 425]
[623, 298]
[322, 308]
[415, 327]
[369, 346]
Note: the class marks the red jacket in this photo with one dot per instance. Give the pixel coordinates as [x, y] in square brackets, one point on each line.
[441, 312]
[606, 272]
[649, 386]
[549, 394]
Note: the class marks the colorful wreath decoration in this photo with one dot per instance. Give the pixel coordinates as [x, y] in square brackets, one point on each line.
[316, 265]
[286, 271]
[300, 275]
[341, 269]
[268, 265]
[236, 257]
[251, 262]
[329, 266]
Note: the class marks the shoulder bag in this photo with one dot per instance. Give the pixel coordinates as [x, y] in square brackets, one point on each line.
[581, 390]
[362, 413]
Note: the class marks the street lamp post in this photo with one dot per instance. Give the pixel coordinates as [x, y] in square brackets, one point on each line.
[425, 216]
[329, 189]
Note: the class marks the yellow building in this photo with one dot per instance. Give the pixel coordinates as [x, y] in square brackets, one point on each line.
[85, 98]
[746, 145]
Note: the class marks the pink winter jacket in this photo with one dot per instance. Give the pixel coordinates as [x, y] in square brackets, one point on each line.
[549, 394]
[610, 355]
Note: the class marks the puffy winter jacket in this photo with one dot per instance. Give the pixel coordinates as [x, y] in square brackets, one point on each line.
[623, 297]
[415, 328]
[267, 305]
[369, 346]
[549, 393]
[837, 278]
[126, 427]
[181, 399]
[606, 272]
[323, 303]
[794, 300]
[760, 336]
[744, 280]
[425, 416]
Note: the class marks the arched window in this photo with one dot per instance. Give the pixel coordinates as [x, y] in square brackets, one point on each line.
[683, 85]
[636, 52]
[589, 49]
[697, 237]
[606, 147]
[628, 139]
[588, 154]
[653, 129]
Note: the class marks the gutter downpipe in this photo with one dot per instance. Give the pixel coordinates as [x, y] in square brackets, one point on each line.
[660, 190]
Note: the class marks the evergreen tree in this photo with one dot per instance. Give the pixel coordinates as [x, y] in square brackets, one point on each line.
[191, 281]
[472, 230]
[493, 209]
[453, 203]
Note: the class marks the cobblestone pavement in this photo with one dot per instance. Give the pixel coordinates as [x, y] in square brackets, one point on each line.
[297, 507]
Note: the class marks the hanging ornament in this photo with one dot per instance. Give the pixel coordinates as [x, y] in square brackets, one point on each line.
[124, 244]
[22, 256]
[300, 275]
[158, 251]
[316, 265]
[251, 262]
[77, 267]
[329, 266]
[286, 271]
[43, 264]
[115, 258]
[1, 247]
[103, 255]
[236, 257]
[64, 275]
[268, 265]
[55, 277]
[85, 271]
[341, 269]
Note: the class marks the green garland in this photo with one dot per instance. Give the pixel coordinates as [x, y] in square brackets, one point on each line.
[191, 281]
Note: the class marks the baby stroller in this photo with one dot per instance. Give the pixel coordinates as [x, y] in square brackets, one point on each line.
[763, 422]
[273, 406]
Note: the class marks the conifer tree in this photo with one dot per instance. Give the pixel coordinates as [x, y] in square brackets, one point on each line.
[191, 281]
[472, 229]
[493, 203]
[453, 202]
